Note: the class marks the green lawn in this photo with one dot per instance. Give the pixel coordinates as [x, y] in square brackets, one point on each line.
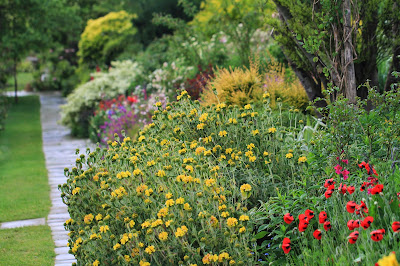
[22, 80]
[27, 246]
[24, 188]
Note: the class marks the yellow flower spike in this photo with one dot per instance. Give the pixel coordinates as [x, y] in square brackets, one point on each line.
[170, 203]
[232, 222]
[163, 236]
[289, 155]
[150, 249]
[271, 130]
[244, 218]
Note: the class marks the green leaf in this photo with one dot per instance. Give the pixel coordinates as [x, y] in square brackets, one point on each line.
[315, 59]
[298, 37]
[260, 235]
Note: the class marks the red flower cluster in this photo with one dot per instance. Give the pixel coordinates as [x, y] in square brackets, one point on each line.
[377, 235]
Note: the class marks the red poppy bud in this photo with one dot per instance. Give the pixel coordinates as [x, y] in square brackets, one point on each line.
[329, 182]
[351, 206]
[327, 225]
[342, 188]
[317, 234]
[363, 186]
[288, 218]
[328, 193]
[377, 235]
[286, 245]
[351, 189]
[350, 225]
[366, 223]
[353, 237]
[396, 226]
[309, 214]
[322, 217]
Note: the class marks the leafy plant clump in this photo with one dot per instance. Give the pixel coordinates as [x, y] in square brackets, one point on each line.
[183, 191]
[105, 85]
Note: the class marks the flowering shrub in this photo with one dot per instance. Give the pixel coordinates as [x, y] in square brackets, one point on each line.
[196, 85]
[234, 86]
[105, 85]
[122, 114]
[347, 208]
[182, 192]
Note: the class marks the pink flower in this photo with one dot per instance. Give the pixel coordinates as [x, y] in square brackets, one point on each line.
[345, 161]
[345, 174]
[338, 169]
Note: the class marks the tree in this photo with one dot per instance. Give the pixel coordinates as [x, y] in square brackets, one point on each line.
[336, 43]
[28, 25]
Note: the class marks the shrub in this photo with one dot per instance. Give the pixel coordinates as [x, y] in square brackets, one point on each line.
[104, 38]
[195, 86]
[105, 85]
[234, 87]
[183, 191]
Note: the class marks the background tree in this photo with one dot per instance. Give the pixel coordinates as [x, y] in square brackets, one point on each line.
[337, 43]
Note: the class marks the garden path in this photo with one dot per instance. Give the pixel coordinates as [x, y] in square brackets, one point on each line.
[59, 150]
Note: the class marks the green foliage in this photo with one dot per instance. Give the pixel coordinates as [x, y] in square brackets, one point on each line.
[104, 38]
[219, 161]
[105, 85]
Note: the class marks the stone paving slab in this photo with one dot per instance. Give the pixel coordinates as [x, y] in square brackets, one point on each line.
[22, 223]
[59, 149]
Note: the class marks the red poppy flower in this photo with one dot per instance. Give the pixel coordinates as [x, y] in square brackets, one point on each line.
[366, 223]
[350, 225]
[309, 214]
[288, 218]
[351, 189]
[377, 235]
[327, 225]
[363, 207]
[286, 245]
[342, 188]
[303, 217]
[329, 182]
[351, 206]
[362, 165]
[303, 226]
[377, 189]
[353, 237]
[322, 217]
[317, 234]
[328, 193]
[363, 186]
[396, 226]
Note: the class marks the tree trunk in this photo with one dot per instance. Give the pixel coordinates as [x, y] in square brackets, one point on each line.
[15, 80]
[349, 72]
[395, 66]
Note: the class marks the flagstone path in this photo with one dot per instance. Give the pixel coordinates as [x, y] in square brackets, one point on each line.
[59, 150]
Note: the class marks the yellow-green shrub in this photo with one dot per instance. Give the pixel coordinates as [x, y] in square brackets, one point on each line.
[291, 93]
[105, 37]
[218, 160]
[238, 86]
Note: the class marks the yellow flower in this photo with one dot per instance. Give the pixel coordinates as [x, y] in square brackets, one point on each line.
[231, 262]
[210, 182]
[141, 188]
[266, 95]
[160, 173]
[244, 218]
[252, 158]
[145, 224]
[99, 217]
[104, 228]
[245, 188]
[181, 231]
[88, 218]
[180, 201]
[148, 192]
[248, 153]
[150, 249]
[145, 263]
[247, 106]
[170, 203]
[289, 155]
[255, 132]
[187, 207]
[69, 221]
[203, 117]
[213, 221]
[200, 126]
[225, 214]
[141, 244]
[117, 246]
[131, 224]
[200, 150]
[127, 258]
[302, 159]
[76, 190]
[265, 153]
[271, 130]
[222, 256]
[162, 212]
[388, 260]
[222, 133]
[96, 263]
[163, 236]
[124, 239]
[242, 229]
[232, 222]
[228, 151]
[168, 223]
